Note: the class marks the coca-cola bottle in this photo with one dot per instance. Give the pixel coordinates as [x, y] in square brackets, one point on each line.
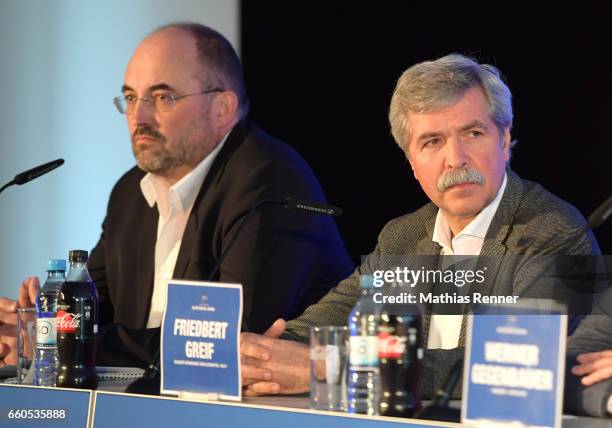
[77, 325]
[399, 359]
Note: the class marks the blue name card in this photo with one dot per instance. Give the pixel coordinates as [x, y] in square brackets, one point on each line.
[116, 410]
[200, 355]
[514, 367]
[32, 406]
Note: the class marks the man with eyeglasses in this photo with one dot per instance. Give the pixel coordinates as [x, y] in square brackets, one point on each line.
[201, 168]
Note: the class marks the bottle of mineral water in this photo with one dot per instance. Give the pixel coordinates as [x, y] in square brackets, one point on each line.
[45, 360]
[363, 376]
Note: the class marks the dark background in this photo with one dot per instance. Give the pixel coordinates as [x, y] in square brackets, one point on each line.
[320, 77]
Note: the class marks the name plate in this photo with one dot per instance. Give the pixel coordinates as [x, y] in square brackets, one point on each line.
[514, 367]
[116, 410]
[200, 355]
[31, 406]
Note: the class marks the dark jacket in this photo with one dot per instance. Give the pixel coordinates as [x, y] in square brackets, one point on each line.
[285, 260]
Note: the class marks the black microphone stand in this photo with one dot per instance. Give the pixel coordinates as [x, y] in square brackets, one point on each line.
[10, 183]
[439, 409]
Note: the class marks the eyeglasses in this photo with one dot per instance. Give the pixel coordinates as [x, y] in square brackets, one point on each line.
[161, 102]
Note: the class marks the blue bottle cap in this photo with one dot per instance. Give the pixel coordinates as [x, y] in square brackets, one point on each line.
[56, 264]
[366, 281]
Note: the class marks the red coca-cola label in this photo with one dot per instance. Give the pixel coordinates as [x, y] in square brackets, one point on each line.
[67, 322]
[390, 346]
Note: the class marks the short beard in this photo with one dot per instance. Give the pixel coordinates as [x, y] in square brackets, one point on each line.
[158, 160]
[188, 151]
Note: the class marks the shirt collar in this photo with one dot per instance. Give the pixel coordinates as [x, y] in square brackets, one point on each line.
[186, 189]
[476, 228]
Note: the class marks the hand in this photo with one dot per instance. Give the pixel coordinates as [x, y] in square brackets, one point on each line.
[273, 366]
[28, 292]
[8, 331]
[594, 366]
[8, 319]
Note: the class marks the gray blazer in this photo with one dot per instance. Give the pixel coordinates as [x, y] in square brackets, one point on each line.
[528, 221]
[593, 334]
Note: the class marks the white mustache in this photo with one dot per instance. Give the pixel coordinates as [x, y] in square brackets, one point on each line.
[460, 176]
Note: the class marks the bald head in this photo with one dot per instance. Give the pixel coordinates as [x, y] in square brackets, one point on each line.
[218, 59]
[168, 52]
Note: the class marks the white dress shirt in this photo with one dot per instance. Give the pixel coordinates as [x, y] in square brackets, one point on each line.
[444, 330]
[174, 205]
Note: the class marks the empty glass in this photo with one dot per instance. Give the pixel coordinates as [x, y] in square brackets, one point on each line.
[328, 365]
[26, 342]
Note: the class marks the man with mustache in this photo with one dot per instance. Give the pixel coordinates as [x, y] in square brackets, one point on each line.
[201, 167]
[452, 119]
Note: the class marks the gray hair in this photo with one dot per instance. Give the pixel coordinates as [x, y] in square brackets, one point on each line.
[431, 85]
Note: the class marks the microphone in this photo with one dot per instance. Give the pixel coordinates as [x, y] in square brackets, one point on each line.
[439, 410]
[312, 207]
[33, 173]
[150, 381]
[601, 214]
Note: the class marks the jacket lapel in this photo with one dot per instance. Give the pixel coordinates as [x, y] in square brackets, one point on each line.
[494, 248]
[188, 242]
[145, 265]
[191, 235]
[428, 255]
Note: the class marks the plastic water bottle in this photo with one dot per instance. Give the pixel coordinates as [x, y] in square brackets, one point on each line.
[363, 376]
[45, 361]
